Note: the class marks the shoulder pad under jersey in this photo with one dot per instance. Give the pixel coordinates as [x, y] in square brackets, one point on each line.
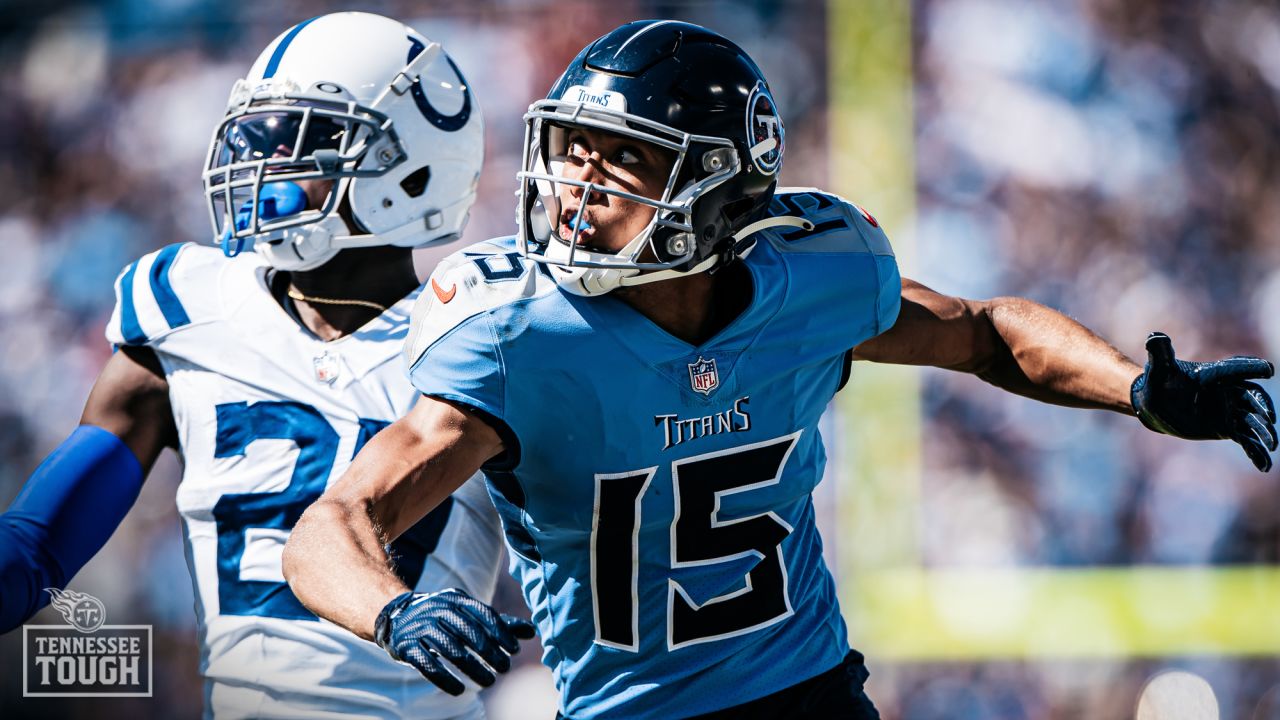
[164, 291]
[471, 282]
[839, 226]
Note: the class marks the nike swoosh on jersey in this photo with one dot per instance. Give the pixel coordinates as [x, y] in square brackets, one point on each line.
[445, 296]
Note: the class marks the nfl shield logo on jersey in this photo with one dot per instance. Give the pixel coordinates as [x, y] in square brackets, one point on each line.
[703, 375]
[327, 367]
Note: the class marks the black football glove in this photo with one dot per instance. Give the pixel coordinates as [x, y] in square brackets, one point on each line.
[1207, 401]
[422, 628]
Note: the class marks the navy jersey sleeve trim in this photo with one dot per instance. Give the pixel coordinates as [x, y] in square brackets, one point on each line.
[510, 456]
[846, 369]
[509, 500]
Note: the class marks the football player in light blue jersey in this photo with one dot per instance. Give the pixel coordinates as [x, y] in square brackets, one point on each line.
[352, 140]
[640, 373]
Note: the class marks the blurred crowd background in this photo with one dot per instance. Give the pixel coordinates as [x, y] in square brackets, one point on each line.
[1116, 159]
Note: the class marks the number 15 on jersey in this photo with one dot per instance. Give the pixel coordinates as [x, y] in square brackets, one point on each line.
[699, 537]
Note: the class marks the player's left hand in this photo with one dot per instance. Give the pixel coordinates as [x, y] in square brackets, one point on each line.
[1207, 401]
[422, 628]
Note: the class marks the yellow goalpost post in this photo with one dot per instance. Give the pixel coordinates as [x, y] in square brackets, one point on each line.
[897, 609]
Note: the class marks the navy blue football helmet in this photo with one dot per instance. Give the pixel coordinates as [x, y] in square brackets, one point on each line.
[682, 88]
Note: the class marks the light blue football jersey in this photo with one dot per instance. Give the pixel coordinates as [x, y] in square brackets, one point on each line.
[656, 495]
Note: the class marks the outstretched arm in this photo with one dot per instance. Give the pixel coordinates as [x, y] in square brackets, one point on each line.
[336, 562]
[1032, 350]
[1013, 343]
[74, 501]
[335, 559]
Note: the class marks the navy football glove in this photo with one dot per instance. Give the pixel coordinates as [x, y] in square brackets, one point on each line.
[1207, 401]
[421, 629]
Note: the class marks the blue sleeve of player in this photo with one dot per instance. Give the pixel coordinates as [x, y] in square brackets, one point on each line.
[889, 299]
[462, 364]
[845, 276]
[64, 514]
[452, 350]
[876, 243]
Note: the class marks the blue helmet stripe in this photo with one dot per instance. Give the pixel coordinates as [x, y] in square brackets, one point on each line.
[166, 298]
[129, 326]
[274, 63]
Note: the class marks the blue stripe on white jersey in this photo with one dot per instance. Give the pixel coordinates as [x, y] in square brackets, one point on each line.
[147, 305]
[262, 434]
[166, 298]
[129, 327]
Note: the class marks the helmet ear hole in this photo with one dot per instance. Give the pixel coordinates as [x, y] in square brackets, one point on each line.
[415, 184]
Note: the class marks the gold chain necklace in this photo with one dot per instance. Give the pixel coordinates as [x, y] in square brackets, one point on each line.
[296, 295]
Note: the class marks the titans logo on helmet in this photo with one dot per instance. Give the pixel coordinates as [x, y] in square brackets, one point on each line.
[764, 127]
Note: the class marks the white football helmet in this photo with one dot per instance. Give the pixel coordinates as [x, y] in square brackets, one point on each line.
[363, 101]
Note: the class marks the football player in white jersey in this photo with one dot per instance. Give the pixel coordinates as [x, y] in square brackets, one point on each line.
[269, 362]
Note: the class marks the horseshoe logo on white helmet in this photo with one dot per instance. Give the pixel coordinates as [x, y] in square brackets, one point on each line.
[447, 123]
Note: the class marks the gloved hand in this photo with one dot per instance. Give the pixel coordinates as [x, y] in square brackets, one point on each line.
[1207, 401]
[422, 628]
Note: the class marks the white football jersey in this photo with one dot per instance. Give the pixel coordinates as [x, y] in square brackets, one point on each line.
[267, 416]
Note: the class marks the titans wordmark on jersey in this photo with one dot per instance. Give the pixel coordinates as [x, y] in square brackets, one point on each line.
[656, 495]
[267, 416]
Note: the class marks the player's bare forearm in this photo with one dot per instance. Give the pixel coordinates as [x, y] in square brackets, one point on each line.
[335, 560]
[337, 566]
[131, 400]
[1013, 343]
[1043, 354]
